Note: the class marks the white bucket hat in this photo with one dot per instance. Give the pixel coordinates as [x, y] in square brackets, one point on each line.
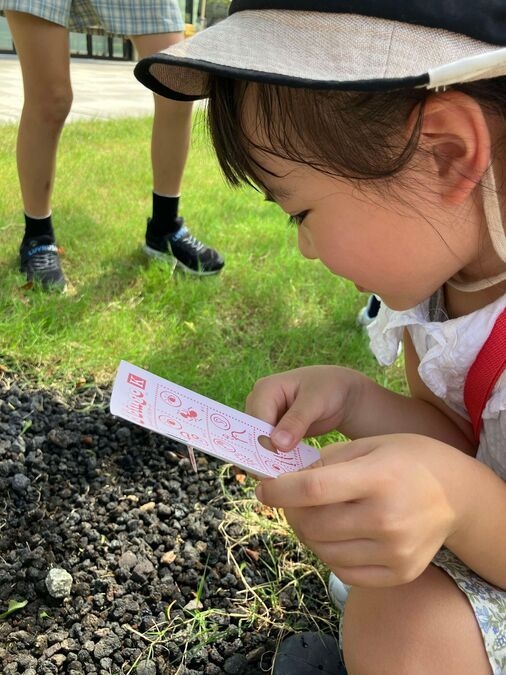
[337, 44]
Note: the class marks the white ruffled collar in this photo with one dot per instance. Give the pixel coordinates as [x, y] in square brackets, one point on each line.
[446, 348]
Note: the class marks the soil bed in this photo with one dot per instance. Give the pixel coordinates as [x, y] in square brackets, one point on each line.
[151, 587]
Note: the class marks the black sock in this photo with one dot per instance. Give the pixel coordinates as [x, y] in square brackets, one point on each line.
[164, 219]
[38, 227]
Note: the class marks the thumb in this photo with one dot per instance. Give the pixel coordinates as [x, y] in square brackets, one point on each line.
[293, 426]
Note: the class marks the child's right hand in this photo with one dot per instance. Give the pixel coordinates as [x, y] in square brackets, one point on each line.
[304, 402]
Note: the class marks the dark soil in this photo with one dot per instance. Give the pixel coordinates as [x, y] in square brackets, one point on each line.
[122, 511]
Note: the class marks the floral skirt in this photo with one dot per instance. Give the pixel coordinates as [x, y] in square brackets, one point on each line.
[488, 603]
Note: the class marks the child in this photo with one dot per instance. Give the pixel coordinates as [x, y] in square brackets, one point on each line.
[382, 135]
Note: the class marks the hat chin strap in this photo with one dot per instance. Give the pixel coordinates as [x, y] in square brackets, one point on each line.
[495, 227]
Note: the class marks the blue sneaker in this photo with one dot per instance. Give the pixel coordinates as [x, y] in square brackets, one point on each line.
[40, 262]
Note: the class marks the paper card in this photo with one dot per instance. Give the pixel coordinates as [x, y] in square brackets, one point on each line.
[201, 423]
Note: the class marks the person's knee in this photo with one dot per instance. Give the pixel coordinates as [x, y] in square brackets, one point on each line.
[368, 637]
[173, 110]
[426, 626]
[53, 106]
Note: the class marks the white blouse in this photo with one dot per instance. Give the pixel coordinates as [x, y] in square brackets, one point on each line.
[447, 348]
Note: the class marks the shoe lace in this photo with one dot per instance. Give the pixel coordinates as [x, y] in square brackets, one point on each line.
[191, 242]
[44, 260]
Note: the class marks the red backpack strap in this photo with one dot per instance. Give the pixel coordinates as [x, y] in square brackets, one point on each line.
[484, 372]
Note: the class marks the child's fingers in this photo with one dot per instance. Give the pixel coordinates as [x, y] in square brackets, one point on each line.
[277, 401]
[267, 401]
[336, 478]
[294, 424]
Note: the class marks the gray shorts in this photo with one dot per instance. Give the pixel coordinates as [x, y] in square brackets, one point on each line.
[114, 17]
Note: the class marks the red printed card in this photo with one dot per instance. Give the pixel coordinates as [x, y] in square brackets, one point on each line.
[199, 422]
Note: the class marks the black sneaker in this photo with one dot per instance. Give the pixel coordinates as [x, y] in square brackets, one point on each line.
[40, 261]
[189, 254]
[368, 313]
[309, 653]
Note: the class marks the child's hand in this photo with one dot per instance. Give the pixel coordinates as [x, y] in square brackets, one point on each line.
[376, 510]
[304, 402]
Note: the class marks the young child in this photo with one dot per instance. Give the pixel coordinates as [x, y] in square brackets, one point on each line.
[381, 133]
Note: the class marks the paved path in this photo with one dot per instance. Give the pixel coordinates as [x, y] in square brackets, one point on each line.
[102, 89]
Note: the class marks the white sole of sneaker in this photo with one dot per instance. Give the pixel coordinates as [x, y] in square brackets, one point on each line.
[175, 263]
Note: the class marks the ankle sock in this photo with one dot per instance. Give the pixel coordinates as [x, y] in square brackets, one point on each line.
[164, 220]
[38, 227]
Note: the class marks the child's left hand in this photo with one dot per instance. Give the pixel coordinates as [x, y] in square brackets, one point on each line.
[377, 509]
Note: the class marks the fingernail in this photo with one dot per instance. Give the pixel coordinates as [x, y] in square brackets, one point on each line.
[259, 491]
[283, 439]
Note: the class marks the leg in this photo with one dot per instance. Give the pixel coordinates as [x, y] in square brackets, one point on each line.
[172, 122]
[167, 238]
[423, 627]
[43, 53]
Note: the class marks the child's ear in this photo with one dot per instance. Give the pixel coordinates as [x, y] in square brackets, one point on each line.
[455, 132]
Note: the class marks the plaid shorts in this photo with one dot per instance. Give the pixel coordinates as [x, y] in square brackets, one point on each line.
[113, 17]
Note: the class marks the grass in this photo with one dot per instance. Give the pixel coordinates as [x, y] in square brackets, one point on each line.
[269, 310]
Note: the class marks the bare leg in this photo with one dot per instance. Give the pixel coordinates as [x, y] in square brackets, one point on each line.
[423, 627]
[43, 52]
[166, 237]
[172, 121]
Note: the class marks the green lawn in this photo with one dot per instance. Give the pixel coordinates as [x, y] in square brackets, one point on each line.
[269, 310]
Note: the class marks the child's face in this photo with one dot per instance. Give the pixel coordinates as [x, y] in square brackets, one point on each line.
[403, 250]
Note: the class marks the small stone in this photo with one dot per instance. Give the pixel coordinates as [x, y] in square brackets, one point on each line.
[127, 560]
[19, 445]
[146, 667]
[193, 604]
[106, 647]
[143, 570]
[20, 483]
[38, 442]
[123, 435]
[26, 661]
[164, 511]
[59, 659]
[58, 583]
[168, 557]
[58, 437]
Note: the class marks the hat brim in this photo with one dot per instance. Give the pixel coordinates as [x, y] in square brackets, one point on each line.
[319, 50]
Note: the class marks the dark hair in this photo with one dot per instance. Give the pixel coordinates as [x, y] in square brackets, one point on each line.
[352, 134]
